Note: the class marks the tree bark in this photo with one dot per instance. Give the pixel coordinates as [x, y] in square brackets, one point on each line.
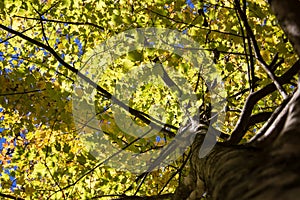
[245, 172]
[288, 15]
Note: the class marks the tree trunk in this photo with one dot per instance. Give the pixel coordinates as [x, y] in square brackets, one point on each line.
[288, 15]
[245, 172]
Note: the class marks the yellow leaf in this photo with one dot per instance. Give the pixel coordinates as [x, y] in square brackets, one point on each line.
[60, 46]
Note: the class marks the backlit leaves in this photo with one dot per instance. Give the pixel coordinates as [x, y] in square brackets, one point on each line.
[40, 146]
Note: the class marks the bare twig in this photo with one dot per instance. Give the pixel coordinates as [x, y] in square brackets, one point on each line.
[192, 25]
[62, 22]
[245, 50]
[134, 197]
[259, 57]
[103, 162]
[177, 171]
[25, 92]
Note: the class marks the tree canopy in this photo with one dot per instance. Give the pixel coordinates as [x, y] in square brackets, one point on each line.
[94, 93]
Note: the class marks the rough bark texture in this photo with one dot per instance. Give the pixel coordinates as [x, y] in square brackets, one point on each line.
[288, 15]
[244, 172]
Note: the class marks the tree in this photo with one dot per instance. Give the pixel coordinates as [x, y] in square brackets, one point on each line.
[46, 149]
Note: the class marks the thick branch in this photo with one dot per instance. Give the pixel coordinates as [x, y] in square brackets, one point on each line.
[253, 98]
[272, 127]
[259, 117]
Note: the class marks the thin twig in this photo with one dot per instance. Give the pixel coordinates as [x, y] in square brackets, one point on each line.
[258, 55]
[192, 25]
[25, 92]
[245, 50]
[10, 197]
[63, 22]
